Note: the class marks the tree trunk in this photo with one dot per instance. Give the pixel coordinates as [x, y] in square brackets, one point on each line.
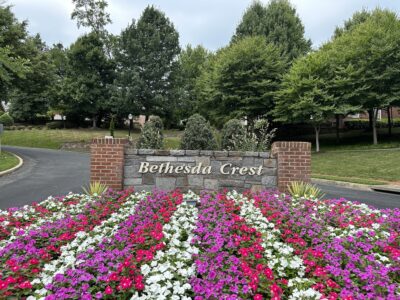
[317, 130]
[94, 126]
[375, 134]
[389, 112]
[337, 129]
[371, 116]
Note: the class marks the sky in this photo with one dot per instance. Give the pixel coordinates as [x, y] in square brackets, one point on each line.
[210, 23]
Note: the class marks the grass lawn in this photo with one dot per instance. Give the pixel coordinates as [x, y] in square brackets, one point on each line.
[7, 161]
[54, 139]
[356, 140]
[366, 167]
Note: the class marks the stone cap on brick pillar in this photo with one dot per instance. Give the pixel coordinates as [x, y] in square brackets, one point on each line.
[293, 162]
[110, 141]
[107, 161]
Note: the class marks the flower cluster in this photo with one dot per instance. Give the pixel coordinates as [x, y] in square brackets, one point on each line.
[226, 246]
[348, 249]
[16, 221]
[22, 259]
[168, 273]
[112, 267]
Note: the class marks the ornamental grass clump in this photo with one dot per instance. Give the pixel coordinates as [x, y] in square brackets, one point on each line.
[198, 135]
[151, 136]
[95, 189]
[304, 190]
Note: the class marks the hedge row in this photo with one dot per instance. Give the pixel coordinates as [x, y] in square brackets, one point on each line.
[364, 124]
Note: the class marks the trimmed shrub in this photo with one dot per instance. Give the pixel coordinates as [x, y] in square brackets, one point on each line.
[157, 122]
[364, 124]
[59, 125]
[112, 126]
[151, 136]
[198, 135]
[55, 125]
[232, 130]
[6, 120]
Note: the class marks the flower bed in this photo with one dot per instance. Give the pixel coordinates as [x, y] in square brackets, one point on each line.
[229, 246]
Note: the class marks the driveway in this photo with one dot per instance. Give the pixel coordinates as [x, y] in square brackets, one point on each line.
[52, 172]
[45, 172]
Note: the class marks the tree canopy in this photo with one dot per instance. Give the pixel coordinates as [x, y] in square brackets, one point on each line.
[191, 64]
[242, 80]
[13, 60]
[146, 55]
[357, 70]
[92, 14]
[279, 23]
[89, 75]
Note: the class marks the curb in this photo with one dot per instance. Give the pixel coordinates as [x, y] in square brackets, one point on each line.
[21, 162]
[387, 189]
[355, 186]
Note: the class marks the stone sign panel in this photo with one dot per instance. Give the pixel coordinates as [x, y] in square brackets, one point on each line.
[198, 170]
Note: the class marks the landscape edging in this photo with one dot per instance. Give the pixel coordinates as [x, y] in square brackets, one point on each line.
[350, 185]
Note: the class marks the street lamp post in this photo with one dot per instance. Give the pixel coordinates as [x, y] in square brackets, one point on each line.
[130, 117]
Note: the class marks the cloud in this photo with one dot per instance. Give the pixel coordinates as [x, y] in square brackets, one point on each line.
[207, 22]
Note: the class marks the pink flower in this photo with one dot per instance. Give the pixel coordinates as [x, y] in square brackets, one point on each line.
[108, 290]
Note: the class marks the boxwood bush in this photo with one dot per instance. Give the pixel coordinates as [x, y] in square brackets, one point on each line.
[198, 135]
[6, 120]
[232, 130]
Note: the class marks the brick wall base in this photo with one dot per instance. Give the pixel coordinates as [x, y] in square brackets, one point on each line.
[107, 162]
[294, 162]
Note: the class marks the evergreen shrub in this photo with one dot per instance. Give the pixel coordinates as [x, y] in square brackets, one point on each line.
[198, 135]
[6, 120]
[151, 136]
[232, 130]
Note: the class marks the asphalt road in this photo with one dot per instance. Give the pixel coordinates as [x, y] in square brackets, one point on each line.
[44, 172]
[377, 199]
[52, 172]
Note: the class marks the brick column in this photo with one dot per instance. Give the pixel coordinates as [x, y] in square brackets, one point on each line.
[293, 162]
[107, 162]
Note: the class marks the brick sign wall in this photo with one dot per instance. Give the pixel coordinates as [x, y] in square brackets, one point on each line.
[119, 165]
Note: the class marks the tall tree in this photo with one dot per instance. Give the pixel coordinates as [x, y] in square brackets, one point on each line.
[357, 18]
[243, 80]
[89, 75]
[29, 97]
[92, 14]
[13, 61]
[370, 63]
[191, 64]
[279, 23]
[147, 63]
[59, 97]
